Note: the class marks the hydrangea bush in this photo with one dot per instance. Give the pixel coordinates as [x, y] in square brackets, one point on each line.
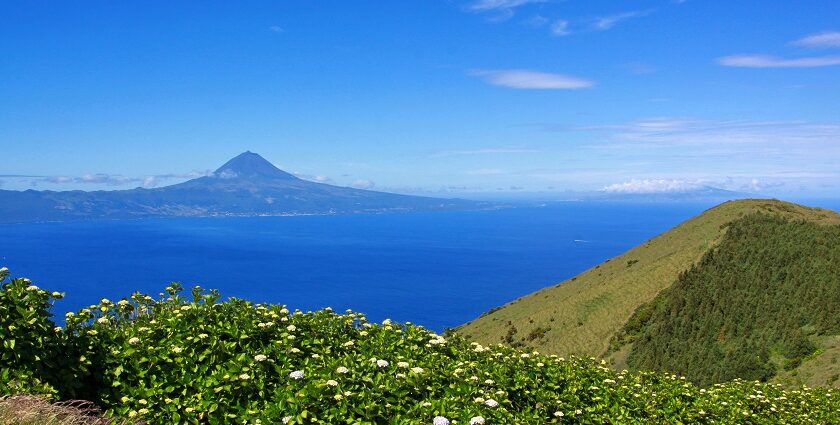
[30, 342]
[194, 359]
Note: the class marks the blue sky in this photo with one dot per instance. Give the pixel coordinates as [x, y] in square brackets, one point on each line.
[425, 96]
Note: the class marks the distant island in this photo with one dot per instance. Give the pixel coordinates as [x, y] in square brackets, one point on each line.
[247, 185]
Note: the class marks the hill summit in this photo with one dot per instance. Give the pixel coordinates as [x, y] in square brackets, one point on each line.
[250, 165]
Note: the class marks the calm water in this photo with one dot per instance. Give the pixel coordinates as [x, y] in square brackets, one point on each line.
[436, 269]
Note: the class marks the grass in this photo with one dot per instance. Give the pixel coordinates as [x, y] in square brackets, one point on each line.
[36, 410]
[584, 312]
[823, 369]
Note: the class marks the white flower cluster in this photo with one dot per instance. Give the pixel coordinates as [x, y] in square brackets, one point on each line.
[296, 375]
[440, 420]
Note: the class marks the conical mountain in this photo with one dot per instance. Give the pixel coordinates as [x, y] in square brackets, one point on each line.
[250, 165]
[247, 185]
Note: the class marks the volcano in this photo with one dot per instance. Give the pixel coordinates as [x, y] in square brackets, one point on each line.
[247, 185]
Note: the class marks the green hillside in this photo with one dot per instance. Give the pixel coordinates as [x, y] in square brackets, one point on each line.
[194, 359]
[582, 314]
[749, 308]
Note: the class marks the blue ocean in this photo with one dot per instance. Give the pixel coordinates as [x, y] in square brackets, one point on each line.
[435, 269]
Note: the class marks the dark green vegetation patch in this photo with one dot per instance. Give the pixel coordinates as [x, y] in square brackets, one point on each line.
[748, 309]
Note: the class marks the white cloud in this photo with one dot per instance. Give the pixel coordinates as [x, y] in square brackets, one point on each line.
[560, 27]
[488, 5]
[106, 178]
[318, 178]
[822, 39]
[654, 186]
[770, 136]
[103, 179]
[607, 22]
[59, 179]
[767, 61]
[706, 150]
[120, 180]
[276, 28]
[227, 174]
[362, 184]
[756, 185]
[527, 79]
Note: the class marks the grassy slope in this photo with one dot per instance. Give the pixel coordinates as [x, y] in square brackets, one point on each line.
[822, 369]
[583, 313]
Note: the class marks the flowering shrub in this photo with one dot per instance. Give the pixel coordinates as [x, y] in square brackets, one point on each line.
[194, 359]
[30, 359]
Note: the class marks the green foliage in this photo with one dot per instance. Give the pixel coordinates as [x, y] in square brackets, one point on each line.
[193, 359]
[29, 337]
[756, 297]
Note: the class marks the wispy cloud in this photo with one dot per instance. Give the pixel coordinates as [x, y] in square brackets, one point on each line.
[486, 151]
[489, 5]
[636, 186]
[756, 185]
[103, 179]
[560, 27]
[527, 79]
[318, 178]
[606, 22]
[818, 40]
[767, 61]
[159, 179]
[362, 184]
[276, 28]
[773, 152]
[686, 131]
[499, 10]
[652, 186]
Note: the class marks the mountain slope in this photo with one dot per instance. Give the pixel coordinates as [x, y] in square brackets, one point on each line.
[245, 185]
[760, 302]
[582, 314]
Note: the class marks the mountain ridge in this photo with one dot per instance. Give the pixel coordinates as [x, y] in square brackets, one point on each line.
[582, 314]
[246, 185]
